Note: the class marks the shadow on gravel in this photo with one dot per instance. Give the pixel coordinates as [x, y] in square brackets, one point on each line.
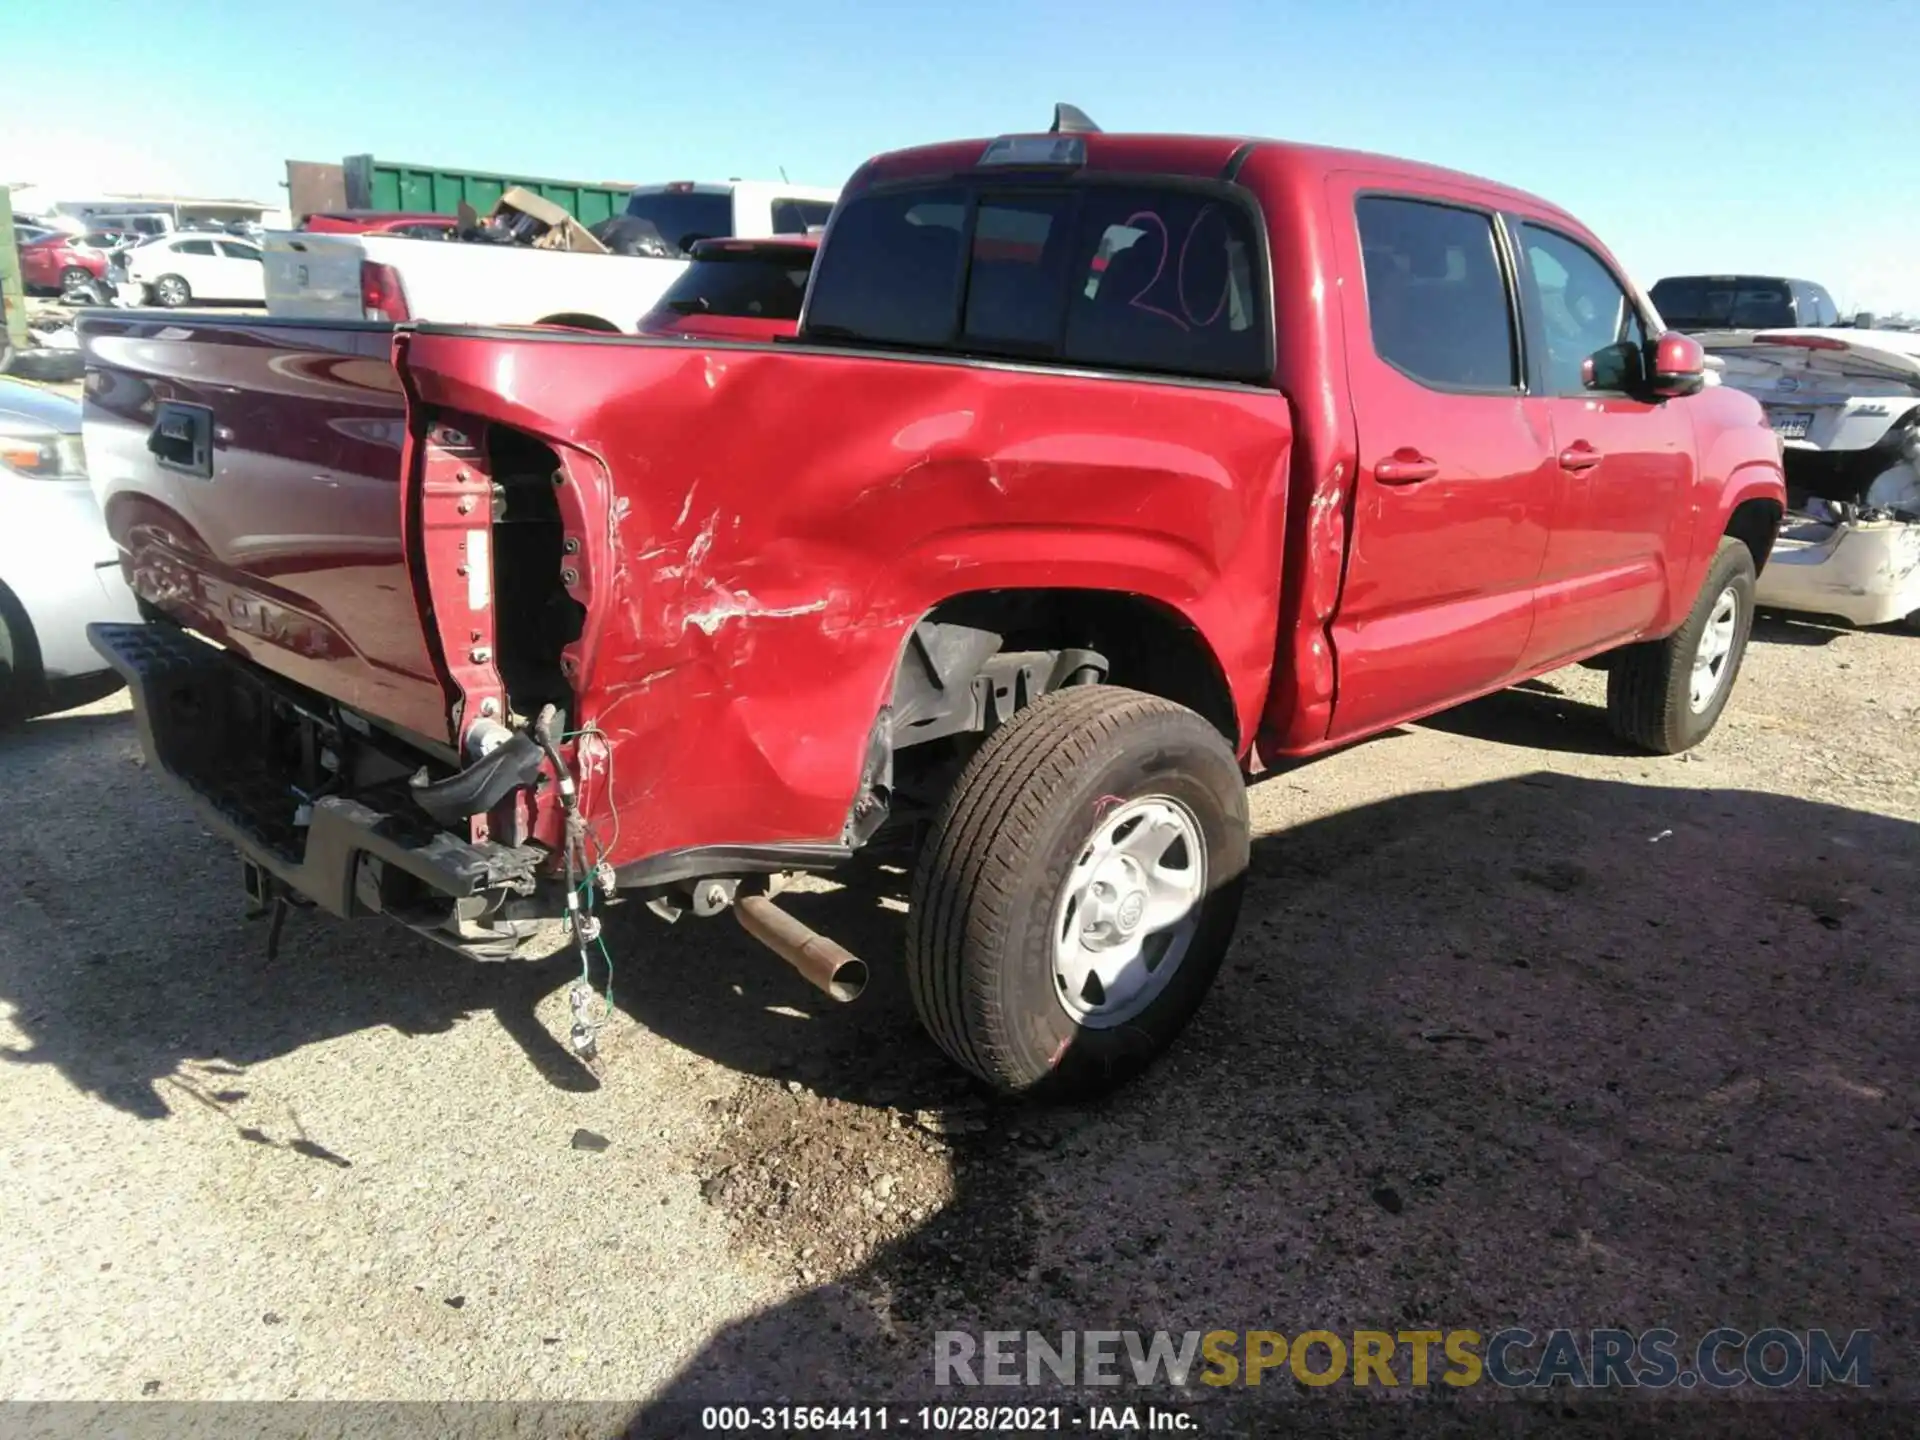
[1535, 715]
[1547, 1051]
[112, 984]
[1777, 627]
[60, 696]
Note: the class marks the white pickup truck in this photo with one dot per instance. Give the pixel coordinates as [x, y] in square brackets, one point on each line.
[327, 276]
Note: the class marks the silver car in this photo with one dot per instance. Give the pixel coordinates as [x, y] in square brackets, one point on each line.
[58, 569]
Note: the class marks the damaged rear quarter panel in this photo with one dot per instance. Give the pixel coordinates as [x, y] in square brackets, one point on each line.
[768, 523]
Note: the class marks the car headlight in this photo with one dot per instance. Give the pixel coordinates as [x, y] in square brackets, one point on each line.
[44, 457]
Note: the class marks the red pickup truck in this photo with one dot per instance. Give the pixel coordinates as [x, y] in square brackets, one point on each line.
[1103, 471]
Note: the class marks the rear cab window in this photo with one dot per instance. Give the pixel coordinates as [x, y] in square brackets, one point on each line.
[684, 217]
[1135, 275]
[746, 282]
[797, 217]
[1724, 302]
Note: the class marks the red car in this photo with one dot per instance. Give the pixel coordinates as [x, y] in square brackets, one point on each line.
[410, 224]
[737, 290]
[1018, 565]
[53, 262]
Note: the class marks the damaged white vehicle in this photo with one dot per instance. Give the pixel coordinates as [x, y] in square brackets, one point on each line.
[1846, 406]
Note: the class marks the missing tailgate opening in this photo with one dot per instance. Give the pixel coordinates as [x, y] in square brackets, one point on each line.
[534, 617]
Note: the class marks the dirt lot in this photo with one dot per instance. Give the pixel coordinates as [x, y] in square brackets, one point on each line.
[1520, 1030]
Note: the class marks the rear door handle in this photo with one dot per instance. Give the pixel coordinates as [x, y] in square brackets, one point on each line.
[1406, 466]
[1579, 456]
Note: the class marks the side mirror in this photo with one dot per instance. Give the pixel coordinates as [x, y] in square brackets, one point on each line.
[1679, 366]
[1614, 367]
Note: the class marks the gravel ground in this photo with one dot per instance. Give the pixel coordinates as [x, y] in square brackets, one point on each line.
[1520, 1030]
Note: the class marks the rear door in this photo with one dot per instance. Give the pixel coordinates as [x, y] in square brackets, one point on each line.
[1623, 466]
[1456, 480]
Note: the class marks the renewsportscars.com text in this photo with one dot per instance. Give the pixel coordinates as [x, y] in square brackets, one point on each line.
[1513, 1359]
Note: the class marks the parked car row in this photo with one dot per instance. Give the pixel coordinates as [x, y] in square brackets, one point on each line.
[171, 270]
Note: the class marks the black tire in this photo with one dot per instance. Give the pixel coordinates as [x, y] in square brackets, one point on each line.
[172, 292]
[22, 685]
[991, 877]
[50, 365]
[1649, 687]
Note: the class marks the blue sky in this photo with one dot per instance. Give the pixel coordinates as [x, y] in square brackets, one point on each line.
[1705, 135]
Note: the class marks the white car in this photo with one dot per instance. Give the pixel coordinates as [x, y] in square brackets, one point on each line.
[1846, 406]
[59, 570]
[315, 275]
[191, 266]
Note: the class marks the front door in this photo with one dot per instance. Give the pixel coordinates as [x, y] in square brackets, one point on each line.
[1456, 473]
[1623, 464]
[196, 262]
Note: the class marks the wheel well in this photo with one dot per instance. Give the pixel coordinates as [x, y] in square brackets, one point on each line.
[1147, 646]
[1755, 523]
[581, 322]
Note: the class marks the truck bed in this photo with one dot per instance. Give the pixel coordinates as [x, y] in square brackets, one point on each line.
[316, 276]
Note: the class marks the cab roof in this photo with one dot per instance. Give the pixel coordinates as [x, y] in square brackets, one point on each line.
[1209, 157]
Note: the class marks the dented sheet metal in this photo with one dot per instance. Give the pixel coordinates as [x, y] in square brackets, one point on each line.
[1866, 572]
[759, 531]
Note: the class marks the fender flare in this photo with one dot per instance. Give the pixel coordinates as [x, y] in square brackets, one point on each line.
[1750, 480]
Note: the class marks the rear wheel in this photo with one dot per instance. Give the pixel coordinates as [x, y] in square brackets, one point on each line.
[73, 278]
[172, 292]
[1078, 891]
[1667, 695]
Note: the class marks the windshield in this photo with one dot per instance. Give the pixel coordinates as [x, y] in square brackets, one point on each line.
[751, 284]
[1724, 302]
[1107, 276]
[684, 217]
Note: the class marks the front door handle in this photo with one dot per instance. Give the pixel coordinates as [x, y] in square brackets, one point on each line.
[1406, 466]
[1579, 456]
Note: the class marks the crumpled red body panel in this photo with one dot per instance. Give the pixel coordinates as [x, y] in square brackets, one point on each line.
[762, 527]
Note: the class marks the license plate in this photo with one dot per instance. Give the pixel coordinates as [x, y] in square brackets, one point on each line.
[1791, 424]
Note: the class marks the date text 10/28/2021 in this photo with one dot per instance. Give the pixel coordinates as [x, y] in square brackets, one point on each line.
[953, 1419]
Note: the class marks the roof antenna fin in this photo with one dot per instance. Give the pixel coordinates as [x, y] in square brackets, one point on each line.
[1072, 120]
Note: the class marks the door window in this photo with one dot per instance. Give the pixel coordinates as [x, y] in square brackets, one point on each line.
[239, 252]
[1583, 308]
[194, 247]
[1437, 300]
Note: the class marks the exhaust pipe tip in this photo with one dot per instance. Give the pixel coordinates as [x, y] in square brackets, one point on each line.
[824, 964]
[848, 981]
